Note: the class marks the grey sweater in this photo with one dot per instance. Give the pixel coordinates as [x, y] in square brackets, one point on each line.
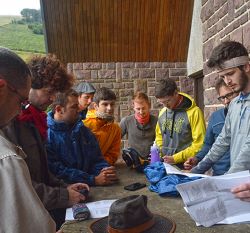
[235, 135]
[140, 137]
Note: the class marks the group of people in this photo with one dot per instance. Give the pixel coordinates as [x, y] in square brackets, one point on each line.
[57, 139]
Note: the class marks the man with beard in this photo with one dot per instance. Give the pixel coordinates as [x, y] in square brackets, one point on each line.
[231, 61]
[73, 151]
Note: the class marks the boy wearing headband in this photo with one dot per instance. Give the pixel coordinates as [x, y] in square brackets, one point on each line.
[230, 60]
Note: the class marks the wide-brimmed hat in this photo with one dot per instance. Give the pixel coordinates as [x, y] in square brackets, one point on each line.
[131, 215]
[84, 87]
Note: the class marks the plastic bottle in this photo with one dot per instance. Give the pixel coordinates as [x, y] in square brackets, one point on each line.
[154, 154]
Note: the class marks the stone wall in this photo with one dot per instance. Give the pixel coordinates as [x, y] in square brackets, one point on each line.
[221, 20]
[126, 78]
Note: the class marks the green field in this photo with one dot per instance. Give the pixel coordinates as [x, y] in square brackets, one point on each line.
[19, 38]
[6, 19]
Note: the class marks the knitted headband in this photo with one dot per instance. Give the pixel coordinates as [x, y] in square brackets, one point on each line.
[234, 62]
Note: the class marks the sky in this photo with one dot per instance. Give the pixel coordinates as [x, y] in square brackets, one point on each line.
[14, 7]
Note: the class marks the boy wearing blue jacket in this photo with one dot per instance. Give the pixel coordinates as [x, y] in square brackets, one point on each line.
[73, 151]
[215, 125]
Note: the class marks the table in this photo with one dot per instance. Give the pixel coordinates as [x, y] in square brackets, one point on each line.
[166, 206]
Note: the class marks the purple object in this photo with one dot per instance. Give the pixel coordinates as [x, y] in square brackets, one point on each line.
[154, 154]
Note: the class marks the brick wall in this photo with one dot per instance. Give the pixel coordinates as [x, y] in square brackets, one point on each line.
[221, 20]
[126, 78]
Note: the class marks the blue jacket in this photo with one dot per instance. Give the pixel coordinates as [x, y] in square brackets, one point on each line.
[163, 183]
[215, 125]
[74, 154]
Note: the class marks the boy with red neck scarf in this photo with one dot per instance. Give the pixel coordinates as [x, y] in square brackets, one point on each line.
[180, 129]
[140, 127]
[29, 131]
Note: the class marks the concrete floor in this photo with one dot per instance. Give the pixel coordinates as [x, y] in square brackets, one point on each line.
[165, 206]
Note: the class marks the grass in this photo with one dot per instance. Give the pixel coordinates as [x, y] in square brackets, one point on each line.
[19, 38]
[6, 19]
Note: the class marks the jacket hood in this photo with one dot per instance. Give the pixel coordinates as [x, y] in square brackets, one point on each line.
[91, 114]
[187, 103]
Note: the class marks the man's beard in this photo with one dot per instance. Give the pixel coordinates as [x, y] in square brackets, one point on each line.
[242, 82]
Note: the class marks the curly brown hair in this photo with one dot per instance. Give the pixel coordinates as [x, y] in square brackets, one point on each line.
[49, 72]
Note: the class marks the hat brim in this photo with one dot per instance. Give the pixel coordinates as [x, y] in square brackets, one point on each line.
[162, 225]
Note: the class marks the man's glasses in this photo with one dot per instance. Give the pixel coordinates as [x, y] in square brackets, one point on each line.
[23, 100]
[228, 96]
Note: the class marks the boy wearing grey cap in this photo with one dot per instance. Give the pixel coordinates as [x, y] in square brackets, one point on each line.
[86, 93]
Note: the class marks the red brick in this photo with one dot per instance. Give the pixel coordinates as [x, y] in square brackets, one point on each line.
[77, 66]
[213, 20]
[207, 48]
[106, 74]
[128, 65]
[142, 65]
[82, 74]
[237, 35]
[178, 72]
[222, 11]
[161, 73]
[238, 3]
[180, 65]
[243, 19]
[107, 85]
[155, 64]
[212, 31]
[146, 73]
[134, 73]
[125, 74]
[168, 65]
[110, 66]
[218, 4]
[210, 80]
[241, 11]
[207, 10]
[210, 97]
[246, 36]
[92, 66]
[231, 10]
[129, 85]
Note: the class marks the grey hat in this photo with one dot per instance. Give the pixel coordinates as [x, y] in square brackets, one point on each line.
[130, 214]
[84, 87]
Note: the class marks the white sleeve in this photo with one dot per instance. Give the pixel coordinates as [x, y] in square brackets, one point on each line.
[21, 209]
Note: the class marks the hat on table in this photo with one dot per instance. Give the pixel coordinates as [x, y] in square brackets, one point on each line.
[84, 87]
[131, 215]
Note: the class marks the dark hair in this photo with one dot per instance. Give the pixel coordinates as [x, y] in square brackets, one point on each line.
[61, 98]
[165, 87]
[226, 51]
[219, 83]
[13, 69]
[48, 71]
[104, 93]
[141, 96]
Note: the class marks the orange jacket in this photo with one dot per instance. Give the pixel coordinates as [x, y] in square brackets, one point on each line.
[108, 135]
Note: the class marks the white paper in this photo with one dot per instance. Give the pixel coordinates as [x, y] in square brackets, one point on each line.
[210, 201]
[230, 220]
[172, 170]
[98, 209]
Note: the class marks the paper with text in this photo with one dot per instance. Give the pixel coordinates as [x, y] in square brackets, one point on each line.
[210, 201]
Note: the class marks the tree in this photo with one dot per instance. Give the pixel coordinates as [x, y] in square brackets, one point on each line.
[31, 15]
